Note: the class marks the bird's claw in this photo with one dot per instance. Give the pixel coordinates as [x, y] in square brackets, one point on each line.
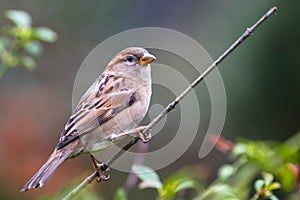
[101, 169]
[145, 137]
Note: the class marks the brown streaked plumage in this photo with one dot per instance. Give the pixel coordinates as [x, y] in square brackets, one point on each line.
[116, 102]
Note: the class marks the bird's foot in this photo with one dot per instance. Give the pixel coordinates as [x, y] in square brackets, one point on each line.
[101, 169]
[145, 137]
[101, 172]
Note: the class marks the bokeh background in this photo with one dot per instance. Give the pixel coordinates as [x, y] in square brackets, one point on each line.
[261, 79]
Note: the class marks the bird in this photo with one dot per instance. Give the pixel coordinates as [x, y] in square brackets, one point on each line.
[115, 102]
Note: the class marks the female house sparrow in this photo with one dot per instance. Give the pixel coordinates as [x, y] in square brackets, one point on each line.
[116, 102]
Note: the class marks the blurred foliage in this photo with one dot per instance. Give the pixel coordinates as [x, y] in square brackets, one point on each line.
[249, 160]
[167, 190]
[264, 187]
[20, 43]
[259, 170]
[120, 195]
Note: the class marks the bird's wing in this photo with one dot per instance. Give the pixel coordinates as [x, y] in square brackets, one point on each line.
[96, 107]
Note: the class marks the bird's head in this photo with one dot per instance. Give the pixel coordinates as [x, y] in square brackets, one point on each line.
[131, 61]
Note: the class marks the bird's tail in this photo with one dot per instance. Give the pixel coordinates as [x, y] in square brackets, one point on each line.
[45, 172]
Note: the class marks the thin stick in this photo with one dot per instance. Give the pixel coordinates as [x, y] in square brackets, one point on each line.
[82, 185]
[172, 105]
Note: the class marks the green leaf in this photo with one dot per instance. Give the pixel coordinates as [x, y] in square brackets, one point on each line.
[120, 194]
[288, 178]
[19, 17]
[44, 34]
[268, 178]
[185, 184]
[259, 184]
[218, 192]
[33, 48]
[3, 43]
[274, 186]
[150, 184]
[273, 197]
[9, 59]
[23, 33]
[226, 171]
[225, 197]
[28, 63]
[147, 175]
[239, 149]
[221, 188]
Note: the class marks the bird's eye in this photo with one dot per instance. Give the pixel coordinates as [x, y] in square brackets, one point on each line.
[130, 58]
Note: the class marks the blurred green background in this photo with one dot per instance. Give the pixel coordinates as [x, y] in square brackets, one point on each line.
[261, 79]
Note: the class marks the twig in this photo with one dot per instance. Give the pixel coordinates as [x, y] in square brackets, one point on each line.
[172, 105]
[82, 185]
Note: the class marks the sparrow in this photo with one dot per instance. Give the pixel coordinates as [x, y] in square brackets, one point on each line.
[115, 103]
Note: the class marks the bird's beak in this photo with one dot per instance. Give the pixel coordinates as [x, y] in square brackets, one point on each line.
[147, 59]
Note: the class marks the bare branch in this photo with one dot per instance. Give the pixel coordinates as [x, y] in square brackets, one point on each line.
[172, 105]
[82, 185]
